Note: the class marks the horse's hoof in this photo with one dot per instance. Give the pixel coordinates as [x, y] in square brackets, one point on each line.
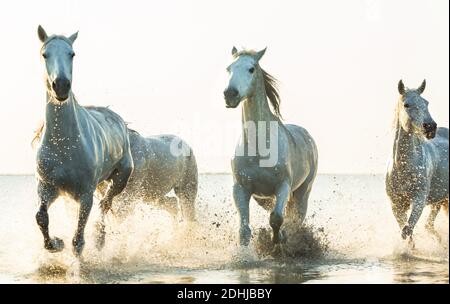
[406, 231]
[54, 245]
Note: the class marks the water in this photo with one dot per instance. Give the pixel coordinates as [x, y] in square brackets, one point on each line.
[351, 237]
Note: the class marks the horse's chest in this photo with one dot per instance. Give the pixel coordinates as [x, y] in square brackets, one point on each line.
[408, 181]
[65, 171]
[259, 180]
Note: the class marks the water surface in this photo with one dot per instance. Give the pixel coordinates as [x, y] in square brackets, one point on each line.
[352, 237]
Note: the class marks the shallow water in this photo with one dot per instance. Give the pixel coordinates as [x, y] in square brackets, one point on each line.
[351, 237]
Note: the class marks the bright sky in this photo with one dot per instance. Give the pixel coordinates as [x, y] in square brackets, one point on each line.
[161, 66]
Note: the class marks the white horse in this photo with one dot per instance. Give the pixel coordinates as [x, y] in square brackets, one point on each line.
[79, 147]
[161, 163]
[417, 173]
[280, 177]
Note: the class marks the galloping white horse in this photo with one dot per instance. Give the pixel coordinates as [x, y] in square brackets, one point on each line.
[280, 177]
[161, 163]
[79, 146]
[417, 174]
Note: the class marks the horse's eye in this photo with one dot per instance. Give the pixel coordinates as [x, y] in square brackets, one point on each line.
[72, 55]
[44, 55]
[406, 105]
[251, 70]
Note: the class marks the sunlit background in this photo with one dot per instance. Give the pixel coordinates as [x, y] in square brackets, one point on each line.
[161, 66]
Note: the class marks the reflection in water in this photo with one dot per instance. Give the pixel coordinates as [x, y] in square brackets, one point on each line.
[350, 237]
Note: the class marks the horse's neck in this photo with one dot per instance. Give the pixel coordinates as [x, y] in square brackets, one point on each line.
[61, 120]
[407, 145]
[256, 111]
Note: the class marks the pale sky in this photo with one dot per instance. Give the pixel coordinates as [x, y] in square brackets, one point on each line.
[161, 66]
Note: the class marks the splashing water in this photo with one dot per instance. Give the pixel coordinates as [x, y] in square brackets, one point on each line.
[350, 235]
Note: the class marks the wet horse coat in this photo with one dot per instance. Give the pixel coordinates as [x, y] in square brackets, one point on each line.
[79, 147]
[161, 163]
[417, 173]
[281, 179]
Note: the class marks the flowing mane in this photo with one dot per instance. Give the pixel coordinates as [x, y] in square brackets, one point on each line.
[396, 115]
[271, 85]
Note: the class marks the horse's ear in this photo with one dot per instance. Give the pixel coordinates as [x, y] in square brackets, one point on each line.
[234, 51]
[422, 87]
[73, 37]
[42, 34]
[259, 54]
[401, 87]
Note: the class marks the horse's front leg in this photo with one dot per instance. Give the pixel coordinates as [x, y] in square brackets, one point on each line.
[47, 195]
[418, 203]
[83, 215]
[242, 200]
[277, 216]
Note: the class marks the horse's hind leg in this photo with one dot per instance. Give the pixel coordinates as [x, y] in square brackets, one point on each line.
[186, 191]
[47, 195]
[119, 179]
[298, 206]
[435, 208]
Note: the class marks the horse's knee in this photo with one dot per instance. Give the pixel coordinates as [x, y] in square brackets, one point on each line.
[42, 217]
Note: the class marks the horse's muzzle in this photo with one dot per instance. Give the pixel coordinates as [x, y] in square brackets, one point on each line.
[231, 96]
[430, 130]
[61, 88]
